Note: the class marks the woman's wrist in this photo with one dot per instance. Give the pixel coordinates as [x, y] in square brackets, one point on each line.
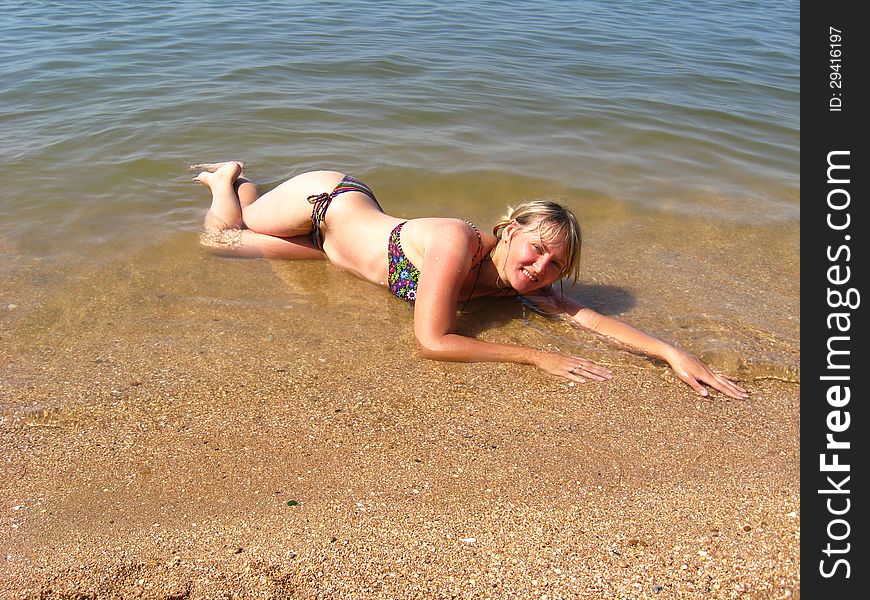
[669, 353]
[534, 356]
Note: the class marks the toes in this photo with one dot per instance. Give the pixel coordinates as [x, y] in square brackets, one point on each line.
[212, 167]
[208, 167]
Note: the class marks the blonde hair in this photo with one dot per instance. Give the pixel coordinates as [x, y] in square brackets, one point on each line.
[551, 220]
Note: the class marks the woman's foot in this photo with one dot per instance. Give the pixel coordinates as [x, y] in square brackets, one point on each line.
[212, 167]
[225, 211]
[217, 173]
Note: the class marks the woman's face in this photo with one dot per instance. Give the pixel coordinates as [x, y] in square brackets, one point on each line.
[532, 263]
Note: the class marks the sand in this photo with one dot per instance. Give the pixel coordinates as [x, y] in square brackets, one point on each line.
[184, 437]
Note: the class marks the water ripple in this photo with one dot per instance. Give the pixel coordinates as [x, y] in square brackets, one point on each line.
[574, 93]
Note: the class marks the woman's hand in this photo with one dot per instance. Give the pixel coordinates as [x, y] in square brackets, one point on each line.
[571, 367]
[694, 372]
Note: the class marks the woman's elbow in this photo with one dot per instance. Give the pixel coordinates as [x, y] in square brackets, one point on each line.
[429, 347]
[426, 353]
[588, 319]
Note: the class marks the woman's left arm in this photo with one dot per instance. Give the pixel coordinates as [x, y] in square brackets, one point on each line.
[686, 366]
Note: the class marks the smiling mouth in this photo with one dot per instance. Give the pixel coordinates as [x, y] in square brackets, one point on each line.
[529, 276]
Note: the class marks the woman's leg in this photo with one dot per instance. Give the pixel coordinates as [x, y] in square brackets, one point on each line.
[246, 190]
[225, 211]
[224, 228]
[282, 212]
[285, 210]
[248, 244]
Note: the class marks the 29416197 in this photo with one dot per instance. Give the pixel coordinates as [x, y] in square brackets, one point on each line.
[835, 73]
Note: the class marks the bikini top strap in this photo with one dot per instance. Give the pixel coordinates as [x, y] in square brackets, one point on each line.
[478, 254]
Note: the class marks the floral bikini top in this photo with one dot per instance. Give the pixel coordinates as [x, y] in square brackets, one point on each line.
[403, 275]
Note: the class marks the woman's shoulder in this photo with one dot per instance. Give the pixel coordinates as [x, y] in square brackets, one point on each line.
[435, 231]
[440, 227]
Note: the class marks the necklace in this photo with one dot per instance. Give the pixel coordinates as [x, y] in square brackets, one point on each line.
[479, 268]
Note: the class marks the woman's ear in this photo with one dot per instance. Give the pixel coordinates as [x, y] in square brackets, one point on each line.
[510, 229]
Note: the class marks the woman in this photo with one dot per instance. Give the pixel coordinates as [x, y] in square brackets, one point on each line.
[434, 262]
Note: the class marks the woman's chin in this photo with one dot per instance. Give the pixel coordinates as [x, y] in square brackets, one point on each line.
[524, 285]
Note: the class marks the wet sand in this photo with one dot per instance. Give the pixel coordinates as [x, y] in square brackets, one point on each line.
[184, 437]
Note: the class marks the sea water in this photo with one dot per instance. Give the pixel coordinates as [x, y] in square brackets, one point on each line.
[670, 127]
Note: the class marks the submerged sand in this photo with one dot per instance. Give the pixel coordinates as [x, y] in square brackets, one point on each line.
[200, 436]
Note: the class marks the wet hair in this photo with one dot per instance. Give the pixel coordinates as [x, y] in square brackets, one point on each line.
[552, 221]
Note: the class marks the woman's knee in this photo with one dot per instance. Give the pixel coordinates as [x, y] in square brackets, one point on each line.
[247, 192]
[221, 240]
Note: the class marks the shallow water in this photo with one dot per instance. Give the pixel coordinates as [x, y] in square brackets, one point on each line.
[671, 128]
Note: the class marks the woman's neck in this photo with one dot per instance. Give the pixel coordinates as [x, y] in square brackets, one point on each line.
[492, 280]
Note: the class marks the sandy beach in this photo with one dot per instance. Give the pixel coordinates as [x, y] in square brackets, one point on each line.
[190, 438]
[178, 425]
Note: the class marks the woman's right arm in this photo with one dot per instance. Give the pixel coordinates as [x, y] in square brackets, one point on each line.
[686, 366]
[446, 263]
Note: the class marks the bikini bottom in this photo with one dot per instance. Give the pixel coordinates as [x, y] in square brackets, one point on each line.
[320, 204]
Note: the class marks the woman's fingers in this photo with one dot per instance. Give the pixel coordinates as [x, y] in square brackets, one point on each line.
[717, 382]
[694, 383]
[729, 388]
[572, 367]
[696, 373]
[586, 369]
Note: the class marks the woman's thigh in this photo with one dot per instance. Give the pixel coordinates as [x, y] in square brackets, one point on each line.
[285, 210]
[247, 243]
